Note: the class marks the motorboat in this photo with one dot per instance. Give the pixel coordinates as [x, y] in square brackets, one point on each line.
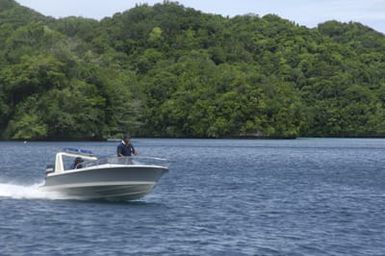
[81, 174]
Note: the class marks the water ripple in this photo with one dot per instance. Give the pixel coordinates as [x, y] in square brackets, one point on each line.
[221, 197]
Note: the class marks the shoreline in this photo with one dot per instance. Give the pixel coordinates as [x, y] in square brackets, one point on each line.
[192, 138]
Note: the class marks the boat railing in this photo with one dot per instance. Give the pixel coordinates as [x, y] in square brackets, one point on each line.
[134, 160]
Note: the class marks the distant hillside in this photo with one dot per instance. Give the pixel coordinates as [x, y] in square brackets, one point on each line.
[168, 70]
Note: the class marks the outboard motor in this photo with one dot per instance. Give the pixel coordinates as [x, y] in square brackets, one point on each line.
[49, 169]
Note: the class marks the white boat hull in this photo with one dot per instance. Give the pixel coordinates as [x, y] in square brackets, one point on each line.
[105, 182]
[103, 192]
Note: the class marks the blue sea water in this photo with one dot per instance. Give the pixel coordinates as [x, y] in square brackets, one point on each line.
[221, 197]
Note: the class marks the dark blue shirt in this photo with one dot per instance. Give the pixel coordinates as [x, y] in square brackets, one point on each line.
[125, 150]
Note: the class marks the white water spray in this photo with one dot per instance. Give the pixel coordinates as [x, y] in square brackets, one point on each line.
[15, 191]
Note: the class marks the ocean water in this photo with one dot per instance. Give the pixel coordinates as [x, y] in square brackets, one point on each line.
[221, 197]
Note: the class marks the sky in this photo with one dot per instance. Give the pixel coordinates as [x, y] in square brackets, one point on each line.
[304, 12]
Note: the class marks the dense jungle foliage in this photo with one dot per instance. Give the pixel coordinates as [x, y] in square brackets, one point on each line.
[168, 70]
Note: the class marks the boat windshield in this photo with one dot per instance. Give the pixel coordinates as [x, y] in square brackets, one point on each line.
[72, 162]
[134, 160]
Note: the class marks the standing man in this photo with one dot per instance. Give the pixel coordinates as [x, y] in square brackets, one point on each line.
[125, 148]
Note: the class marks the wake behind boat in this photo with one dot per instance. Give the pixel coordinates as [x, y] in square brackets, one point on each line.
[80, 174]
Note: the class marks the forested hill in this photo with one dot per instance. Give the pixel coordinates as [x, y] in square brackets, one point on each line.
[168, 70]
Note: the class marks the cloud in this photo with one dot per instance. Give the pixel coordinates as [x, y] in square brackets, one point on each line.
[304, 12]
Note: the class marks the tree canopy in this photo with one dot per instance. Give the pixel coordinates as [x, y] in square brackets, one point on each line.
[168, 70]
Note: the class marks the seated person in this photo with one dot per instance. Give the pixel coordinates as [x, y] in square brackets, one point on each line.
[78, 163]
